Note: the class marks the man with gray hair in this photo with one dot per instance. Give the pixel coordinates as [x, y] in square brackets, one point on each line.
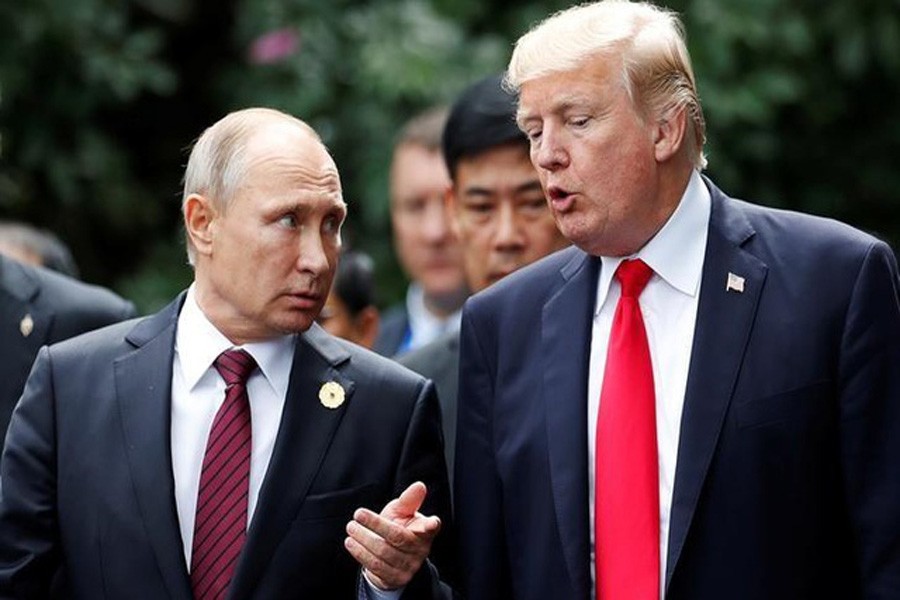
[227, 446]
[700, 399]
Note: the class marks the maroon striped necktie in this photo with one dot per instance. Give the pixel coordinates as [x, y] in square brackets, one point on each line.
[220, 526]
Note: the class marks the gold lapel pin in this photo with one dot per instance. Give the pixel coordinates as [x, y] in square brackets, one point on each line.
[331, 394]
[26, 325]
[735, 283]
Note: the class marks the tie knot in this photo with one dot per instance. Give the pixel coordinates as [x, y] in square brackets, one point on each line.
[633, 275]
[235, 366]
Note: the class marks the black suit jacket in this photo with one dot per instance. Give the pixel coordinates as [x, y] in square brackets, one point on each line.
[88, 485]
[787, 484]
[39, 307]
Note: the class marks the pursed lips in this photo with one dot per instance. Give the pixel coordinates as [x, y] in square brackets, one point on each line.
[561, 200]
[306, 297]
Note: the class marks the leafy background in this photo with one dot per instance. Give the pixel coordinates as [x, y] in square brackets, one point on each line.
[100, 99]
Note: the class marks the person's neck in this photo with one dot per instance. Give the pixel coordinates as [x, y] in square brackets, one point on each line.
[444, 305]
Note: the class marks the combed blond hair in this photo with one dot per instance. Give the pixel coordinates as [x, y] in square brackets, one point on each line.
[649, 41]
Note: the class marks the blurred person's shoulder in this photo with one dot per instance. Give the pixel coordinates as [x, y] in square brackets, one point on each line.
[76, 306]
[429, 358]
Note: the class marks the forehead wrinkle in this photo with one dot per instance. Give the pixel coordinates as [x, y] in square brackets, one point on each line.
[304, 173]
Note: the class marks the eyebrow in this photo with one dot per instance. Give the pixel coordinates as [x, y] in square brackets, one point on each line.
[477, 191]
[559, 107]
[528, 186]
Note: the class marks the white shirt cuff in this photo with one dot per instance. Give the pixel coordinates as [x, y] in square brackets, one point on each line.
[375, 593]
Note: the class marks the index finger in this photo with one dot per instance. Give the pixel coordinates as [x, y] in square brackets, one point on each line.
[394, 534]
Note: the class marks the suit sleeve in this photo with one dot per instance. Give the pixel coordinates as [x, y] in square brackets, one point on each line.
[29, 545]
[422, 459]
[869, 372]
[478, 494]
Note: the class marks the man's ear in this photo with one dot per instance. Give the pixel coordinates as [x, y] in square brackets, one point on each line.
[199, 217]
[451, 206]
[669, 135]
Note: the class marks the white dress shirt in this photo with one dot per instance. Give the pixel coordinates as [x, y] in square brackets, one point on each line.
[669, 308]
[424, 326]
[197, 393]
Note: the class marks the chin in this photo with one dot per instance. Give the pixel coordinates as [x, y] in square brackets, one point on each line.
[449, 287]
[294, 324]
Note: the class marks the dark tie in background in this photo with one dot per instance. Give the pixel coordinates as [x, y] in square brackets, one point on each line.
[626, 493]
[221, 521]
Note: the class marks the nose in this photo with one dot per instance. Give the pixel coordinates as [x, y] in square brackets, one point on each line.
[435, 227]
[508, 235]
[314, 257]
[549, 152]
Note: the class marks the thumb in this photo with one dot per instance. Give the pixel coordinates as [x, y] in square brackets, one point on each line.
[407, 504]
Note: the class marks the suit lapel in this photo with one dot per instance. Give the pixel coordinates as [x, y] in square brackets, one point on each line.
[143, 388]
[566, 336]
[24, 328]
[304, 436]
[27, 323]
[724, 321]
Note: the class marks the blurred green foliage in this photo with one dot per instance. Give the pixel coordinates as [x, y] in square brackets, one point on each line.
[99, 100]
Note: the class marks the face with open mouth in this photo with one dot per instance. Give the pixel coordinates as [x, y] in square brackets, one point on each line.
[595, 157]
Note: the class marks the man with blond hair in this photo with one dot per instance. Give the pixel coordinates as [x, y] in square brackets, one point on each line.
[227, 446]
[701, 399]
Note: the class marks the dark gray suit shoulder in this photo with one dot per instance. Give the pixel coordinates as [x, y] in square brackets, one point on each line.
[436, 353]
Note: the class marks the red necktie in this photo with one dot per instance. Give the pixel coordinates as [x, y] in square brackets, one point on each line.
[221, 522]
[626, 493]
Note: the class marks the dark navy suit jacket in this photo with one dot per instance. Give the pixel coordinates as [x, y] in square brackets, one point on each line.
[787, 483]
[87, 491]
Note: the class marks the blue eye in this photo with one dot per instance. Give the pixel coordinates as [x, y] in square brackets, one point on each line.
[289, 221]
[331, 225]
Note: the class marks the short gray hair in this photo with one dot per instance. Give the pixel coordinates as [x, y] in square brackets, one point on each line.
[656, 66]
[217, 164]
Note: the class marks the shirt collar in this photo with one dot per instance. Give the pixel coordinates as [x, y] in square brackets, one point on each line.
[422, 321]
[198, 343]
[676, 252]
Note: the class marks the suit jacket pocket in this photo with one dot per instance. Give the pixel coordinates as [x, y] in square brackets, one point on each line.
[337, 503]
[800, 404]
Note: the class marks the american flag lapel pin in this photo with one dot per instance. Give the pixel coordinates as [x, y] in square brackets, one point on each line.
[735, 283]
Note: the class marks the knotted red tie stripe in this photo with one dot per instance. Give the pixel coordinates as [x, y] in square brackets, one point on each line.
[221, 521]
[626, 494]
